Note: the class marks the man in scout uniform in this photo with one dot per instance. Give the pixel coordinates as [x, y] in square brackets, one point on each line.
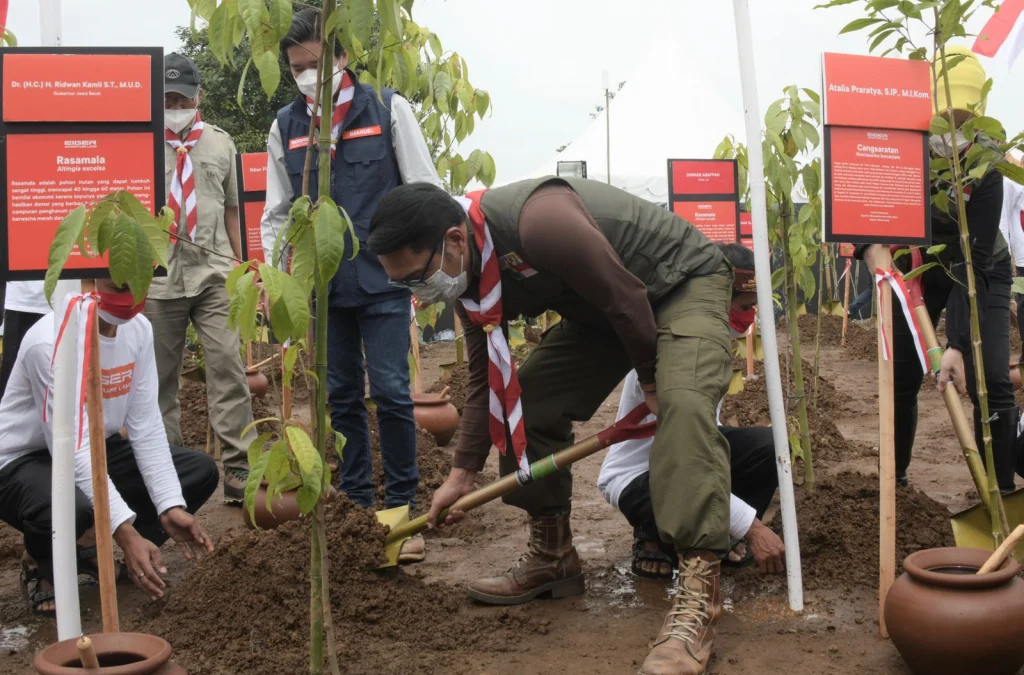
[377, 144]
[205, 245]
[638, 288]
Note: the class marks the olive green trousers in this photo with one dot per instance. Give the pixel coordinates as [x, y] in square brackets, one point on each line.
[574, 369]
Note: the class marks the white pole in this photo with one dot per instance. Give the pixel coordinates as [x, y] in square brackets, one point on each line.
[62, 508]
[765, 306]
[607, 125]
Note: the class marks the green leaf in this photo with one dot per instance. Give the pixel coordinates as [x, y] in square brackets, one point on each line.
[101, 213]
[240, 98]
[362, 19]
[251, 12]
[270, 73]
[859, 24]
[1011, 171]
[63, 243]
[1018, 285]
[278, 467]
[233, 278]
[252, 485]
[303, 258]
[205, 8]
[939, 126]
[918, 271]
[442, 89]
[281, 16]
[257, 446]
[435, 45]
[123, 246]
[900, 253]
[390, 17]
[935, 250]
[219, 34]
[289, 303]
[488, 171]
[158, 239]
[310, 468]
[291, 354]
[330, 238]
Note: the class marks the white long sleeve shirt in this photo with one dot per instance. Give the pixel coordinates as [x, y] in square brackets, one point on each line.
[629, 459]
[1010, 223]
[26, 296]
[129, 381]
[411, 153]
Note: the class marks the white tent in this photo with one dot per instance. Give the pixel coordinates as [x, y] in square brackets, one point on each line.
[666, 110]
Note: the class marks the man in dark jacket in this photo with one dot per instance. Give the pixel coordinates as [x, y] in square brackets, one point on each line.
[638, 288]
[377, 144]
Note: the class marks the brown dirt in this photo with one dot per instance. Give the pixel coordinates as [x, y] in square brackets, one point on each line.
[839, 528]
[458, 381]
[245, 609]
[11, 544]
[433, 462]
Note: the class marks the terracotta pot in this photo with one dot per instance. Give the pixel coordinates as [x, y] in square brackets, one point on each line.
[1015, 375]
[283, 509]
[119, 654]
[258, 382]
[436, 415]
[946, 620]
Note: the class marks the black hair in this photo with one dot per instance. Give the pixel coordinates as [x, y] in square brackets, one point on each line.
[415, 216]
[306, 28]
[738, 255]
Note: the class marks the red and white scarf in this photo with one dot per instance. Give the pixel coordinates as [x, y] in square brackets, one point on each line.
[505, 404]
[183, 184]
[85, 305]
[342, 102]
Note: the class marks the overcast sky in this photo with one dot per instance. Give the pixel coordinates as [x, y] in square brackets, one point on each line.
[542, 60]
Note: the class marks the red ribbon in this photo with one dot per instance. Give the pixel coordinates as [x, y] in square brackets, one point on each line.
[902, 293]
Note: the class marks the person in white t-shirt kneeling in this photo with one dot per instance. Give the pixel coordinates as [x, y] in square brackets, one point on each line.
[624, 477]
[154, 488]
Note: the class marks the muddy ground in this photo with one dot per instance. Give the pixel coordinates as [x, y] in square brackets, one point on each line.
[245, 609]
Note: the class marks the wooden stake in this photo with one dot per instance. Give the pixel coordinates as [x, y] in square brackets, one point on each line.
[87, 653]
[460, 340]
[886, 447]
[100, 491]
[414, 337]
[846, 303]
[248, 355]
[750, 352]
[286, 392]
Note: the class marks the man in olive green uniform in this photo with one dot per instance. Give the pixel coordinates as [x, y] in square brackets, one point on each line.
[200, 167]
[637, 287]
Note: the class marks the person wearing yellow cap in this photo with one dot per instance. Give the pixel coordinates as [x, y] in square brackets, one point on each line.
[993, 275]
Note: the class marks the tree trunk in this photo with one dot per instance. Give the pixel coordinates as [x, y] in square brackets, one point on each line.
[799, 392]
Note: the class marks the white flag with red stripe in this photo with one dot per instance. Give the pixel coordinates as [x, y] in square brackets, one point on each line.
[1003, 33]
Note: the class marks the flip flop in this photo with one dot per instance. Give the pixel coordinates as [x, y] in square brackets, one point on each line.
[89, 574]
[405, 558]
[747, 559]
[641, 555]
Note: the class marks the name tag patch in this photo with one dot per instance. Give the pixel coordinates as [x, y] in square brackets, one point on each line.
[514, 264]
[361, 132]
[300, 142]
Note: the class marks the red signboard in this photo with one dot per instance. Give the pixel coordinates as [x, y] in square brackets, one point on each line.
[717, 220]
[252, 195]
[77, 87]
[746, 224]
[877, 186]
[703, 177]
[254, 172]
[871, 91]
[704, 192]
[50, 175]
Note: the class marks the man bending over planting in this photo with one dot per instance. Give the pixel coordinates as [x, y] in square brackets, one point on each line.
[625, 478]
[154, 488]
[638, 288]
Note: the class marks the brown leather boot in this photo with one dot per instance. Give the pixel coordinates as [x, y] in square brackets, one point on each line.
[684, 645]
[550, 565]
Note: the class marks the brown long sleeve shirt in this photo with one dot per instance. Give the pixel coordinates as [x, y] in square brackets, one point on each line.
[559, 237]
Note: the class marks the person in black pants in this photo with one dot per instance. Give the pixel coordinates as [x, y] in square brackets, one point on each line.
[993, 276]
[25, 495]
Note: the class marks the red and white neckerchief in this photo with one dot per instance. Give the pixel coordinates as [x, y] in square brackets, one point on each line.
[183, 184]
[342, 102]
[85, 305]
[505, 404]
[902, 293]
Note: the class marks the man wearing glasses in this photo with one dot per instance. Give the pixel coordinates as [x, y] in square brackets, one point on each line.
[377, 145]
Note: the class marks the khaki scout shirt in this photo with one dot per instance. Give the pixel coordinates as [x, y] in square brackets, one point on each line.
[192, 270]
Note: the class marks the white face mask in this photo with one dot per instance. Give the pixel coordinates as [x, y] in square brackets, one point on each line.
[942, 145]
[439, 287]
[179, 119]
[306, 81]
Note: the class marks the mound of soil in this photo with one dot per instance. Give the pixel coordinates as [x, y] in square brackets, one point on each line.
[750, 408]
[839, 529]
[457, 381]
[11, 542]
[831, 330]
[246, 608]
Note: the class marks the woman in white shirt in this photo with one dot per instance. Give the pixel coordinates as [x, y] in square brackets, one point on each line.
[154, 488]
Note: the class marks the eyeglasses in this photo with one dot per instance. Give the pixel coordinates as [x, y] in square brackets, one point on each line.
[421, 281]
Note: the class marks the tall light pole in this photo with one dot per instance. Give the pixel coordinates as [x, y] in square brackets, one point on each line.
[607, 125]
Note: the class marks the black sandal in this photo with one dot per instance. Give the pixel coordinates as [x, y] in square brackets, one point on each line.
[747, 559]
[35, 595]
[89, 574]
[664, 555]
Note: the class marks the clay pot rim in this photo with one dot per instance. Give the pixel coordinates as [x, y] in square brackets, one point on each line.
[429, 399]
[254, 371]
[158, 650]
[919, 565]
